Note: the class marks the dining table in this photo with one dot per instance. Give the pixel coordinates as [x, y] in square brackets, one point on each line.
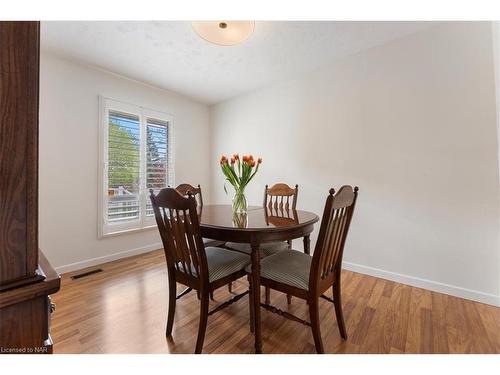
[258, 226]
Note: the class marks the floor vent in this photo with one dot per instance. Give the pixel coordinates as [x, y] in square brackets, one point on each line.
[86, 274]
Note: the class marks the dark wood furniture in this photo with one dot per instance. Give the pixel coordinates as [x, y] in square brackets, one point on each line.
[279, 199]
[278, 216]
[26, 278]
[25, 313]
[184, 189]
[307, 277]
[216, 221]
[188, 261]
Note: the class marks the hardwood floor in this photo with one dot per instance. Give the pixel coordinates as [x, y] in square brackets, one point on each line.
[124, 310]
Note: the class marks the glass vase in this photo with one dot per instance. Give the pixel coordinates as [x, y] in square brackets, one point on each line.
[239, 202]
[240, 220]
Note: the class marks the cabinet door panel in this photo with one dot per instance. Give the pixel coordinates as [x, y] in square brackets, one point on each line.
[19, 61]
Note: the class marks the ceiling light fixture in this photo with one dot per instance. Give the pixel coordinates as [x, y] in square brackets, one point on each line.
[225, 33]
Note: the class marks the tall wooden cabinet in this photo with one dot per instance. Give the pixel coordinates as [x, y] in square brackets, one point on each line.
[26, 278]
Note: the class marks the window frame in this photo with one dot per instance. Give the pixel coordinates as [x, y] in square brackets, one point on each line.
[144, 222]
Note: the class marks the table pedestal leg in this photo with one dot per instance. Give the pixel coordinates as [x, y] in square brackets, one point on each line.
[250, 303]
[307, 245]
[256, 296]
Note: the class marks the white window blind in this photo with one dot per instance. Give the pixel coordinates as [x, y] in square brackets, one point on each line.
[157, 168]
[124, 165]
[136, 156]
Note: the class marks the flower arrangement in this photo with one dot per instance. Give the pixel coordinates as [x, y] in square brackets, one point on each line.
[239, 172]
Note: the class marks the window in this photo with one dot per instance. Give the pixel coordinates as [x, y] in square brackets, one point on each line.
[136, 155]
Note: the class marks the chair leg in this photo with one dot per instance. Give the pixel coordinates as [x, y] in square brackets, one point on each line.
[203, 322]
[337, 301]
[314, 316]
[250, 305]
[268, 295]
[230, 287]
[172, 299]
[288, 296]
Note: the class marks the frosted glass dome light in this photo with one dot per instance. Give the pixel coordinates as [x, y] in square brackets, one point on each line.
[225, 33]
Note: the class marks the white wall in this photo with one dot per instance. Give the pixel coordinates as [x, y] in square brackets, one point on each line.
[69, 158]
[496, 54]
[413, 124]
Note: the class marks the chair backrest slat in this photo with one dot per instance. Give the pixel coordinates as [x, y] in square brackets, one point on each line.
[188, 227]
[180, 220]
[177, 220]
[277, 197]
[337, 228]
[337, 215]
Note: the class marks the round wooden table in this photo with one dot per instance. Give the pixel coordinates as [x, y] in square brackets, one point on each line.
[259, 225]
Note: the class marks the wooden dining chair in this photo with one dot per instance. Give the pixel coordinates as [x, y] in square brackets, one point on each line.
[279, 197]
[184, 189]
[189, 262]
[308, 277]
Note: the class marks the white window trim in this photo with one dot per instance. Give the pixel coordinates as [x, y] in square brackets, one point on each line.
[105, 229]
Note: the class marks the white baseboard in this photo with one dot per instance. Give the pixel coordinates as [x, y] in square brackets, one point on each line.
[435, 286]
[107, 258]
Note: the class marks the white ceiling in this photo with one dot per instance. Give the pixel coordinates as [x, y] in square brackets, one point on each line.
[168, 54]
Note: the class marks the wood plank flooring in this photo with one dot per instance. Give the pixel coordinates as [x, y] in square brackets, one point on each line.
[124, 310]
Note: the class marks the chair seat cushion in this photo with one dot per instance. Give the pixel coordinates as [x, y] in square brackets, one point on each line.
[287, 267]
[266, 249]
[223, 262]
[207, 242]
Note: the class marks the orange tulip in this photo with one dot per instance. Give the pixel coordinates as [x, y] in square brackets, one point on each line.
[241, 176]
